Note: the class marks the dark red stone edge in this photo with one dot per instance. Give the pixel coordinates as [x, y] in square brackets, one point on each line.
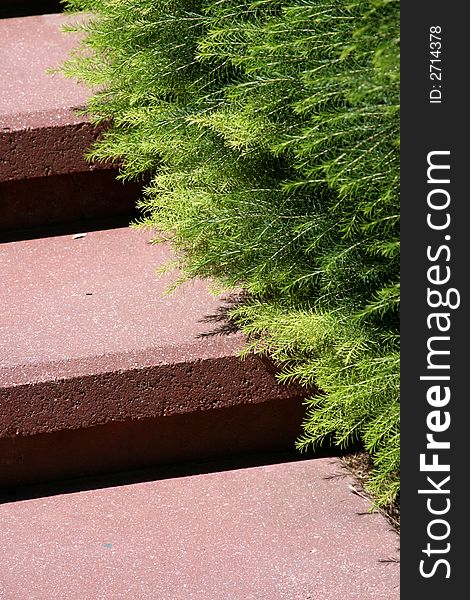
[270, 426]
[140, 393]
[40, 150]
[110, 422]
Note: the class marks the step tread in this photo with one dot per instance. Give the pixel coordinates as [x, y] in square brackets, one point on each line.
[125, 377]
[41, 134]
[279, 532]
[72, 303]
[31, 97]
[88, 336]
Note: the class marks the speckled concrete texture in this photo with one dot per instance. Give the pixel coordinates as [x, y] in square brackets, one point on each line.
[88, 337]
[40, 134]
[36, 151]
[292, 531]
[30, 46]
[97, 294]
[88, 311]
[44, 177]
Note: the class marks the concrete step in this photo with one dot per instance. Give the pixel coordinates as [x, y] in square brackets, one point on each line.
[99, 371]
[290, 531]
[44, 178]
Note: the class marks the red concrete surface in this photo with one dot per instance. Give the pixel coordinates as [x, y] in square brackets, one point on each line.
[67, 300]
[93, 307]
[117, 446]
[44, 177]
[40, 135]
[88, 338]
[293, 531]
[29, 47]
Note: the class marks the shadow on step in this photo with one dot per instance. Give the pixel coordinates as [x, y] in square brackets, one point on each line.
[26, 8]
[42, 206]
[121, 453]
[171, 471]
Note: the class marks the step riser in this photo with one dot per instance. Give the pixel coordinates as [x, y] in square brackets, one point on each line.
[37, 150]
[145, 417]
[44, 176]
[62, 199]
[120, 446]
[159, 391]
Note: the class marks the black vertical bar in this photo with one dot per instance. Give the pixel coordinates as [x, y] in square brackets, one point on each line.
[435, 126]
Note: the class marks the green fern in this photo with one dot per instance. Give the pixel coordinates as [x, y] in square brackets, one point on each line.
[270, 129]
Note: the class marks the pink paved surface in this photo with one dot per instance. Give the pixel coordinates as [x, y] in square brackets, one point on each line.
[40, 133]
[278, 532]
[87, 337]
[29, 46]
[79, 306]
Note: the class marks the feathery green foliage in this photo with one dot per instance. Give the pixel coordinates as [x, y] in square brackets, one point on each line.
[271, 131]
